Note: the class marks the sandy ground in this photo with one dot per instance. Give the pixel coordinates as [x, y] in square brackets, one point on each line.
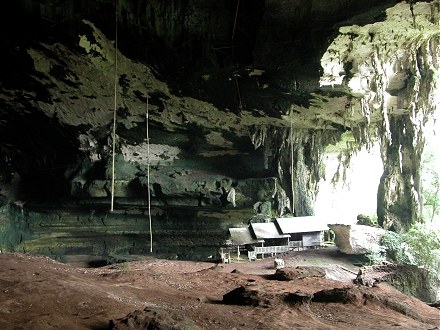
[40, 293]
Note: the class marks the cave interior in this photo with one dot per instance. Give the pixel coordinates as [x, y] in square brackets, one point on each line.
[114, 113]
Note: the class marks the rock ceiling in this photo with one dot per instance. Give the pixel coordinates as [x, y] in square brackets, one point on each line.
[227, 85]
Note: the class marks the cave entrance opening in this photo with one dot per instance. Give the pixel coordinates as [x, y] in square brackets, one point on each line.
[350, 189]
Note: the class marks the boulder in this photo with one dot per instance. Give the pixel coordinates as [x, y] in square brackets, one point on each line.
[153, 318]
[290, 274]
[357, 239]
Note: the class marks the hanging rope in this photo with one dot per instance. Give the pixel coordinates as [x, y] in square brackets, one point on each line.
[148, 178]
[114, 111]
[235, 20]
[147, 123]
[291, 163]
[240, 104]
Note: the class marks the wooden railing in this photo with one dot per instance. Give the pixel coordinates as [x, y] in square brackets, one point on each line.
[271, 249]
[252, 255]
[295, 245]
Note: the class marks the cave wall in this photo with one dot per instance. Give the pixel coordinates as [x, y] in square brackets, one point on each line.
[400, 84]
[234, 95]
[93, 236]
[399, 200]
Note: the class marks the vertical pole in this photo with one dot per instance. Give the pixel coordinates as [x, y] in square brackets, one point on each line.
[291, 164]
[114, 111]
[240, 104]
[148, 182]
[235, 20]
[148, 160]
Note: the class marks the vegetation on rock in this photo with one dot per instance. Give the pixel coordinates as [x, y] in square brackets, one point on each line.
[430, 186]
[416, 254]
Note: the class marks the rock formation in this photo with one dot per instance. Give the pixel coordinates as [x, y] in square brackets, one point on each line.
[357, 239]
[244, 95]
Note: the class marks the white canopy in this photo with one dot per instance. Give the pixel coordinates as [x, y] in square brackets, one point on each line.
[301, 224]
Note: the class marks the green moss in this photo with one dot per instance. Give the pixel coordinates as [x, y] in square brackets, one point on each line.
[13, 228]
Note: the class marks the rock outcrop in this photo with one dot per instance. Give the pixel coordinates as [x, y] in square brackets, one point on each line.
[196, 100]
[357, 239]
[409, 279]
[391, 69]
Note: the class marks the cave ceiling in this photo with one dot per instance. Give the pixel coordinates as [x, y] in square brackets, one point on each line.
[211, 74]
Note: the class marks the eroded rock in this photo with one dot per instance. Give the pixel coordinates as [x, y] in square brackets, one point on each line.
[357, 239]
[289, 274]
[409, 279]
[149, 318]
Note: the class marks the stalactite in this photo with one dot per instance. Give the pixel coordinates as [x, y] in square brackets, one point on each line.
[257, 135]
[308, 148]
[406, 44]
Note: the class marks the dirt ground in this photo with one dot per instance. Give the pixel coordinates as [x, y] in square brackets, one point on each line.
[40, 293]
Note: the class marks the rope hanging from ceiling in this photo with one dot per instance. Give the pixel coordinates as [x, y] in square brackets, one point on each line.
[114, 111]
[291, 163]
[148, 166]
[114, 134]
[235, 20]
[240, 104]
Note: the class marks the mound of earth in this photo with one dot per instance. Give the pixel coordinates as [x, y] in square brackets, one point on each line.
[289, 274]
[39, 293]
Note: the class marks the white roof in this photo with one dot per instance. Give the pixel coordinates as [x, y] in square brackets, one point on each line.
[301, 224]
[241, 236]
[264, 230]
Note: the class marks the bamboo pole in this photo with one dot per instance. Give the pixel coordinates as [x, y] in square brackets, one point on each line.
[291, 163]
[148, 181]
[235, 20]
[114, 111]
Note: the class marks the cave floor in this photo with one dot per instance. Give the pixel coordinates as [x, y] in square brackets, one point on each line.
[39, 293]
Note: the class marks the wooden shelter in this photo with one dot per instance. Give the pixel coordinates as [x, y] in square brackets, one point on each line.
[308, 230]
